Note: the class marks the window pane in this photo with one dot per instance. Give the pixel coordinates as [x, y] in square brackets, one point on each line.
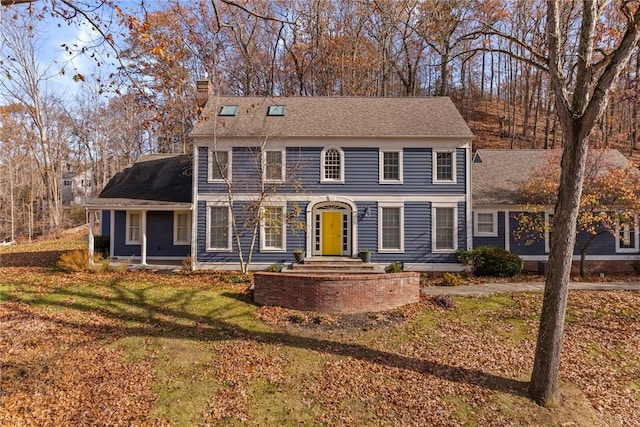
[485, 222]
[273, 167]
[273, 227]
[391, 166]
[444, 166]
[134, 227]
[390, 228]
[332, 164]
[444, 228]
[219, 227]
[219, 164]
[627, 237]
[182, 230]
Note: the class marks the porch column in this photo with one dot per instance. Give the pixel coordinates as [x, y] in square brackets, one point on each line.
[91, 238]
[143, 233]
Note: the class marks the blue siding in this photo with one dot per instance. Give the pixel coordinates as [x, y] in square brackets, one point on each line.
[361, 172]
[105, 223]
[417, 237]
[520, 246]
[159, 237]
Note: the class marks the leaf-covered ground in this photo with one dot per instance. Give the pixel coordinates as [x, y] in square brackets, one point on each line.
[148, 349]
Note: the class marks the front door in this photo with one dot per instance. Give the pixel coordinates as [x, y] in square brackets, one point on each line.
[331, 233]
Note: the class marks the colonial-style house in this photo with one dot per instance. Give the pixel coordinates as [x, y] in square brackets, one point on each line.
[327, 175]
[498, 206]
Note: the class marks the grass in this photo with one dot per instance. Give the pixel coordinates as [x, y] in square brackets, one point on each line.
[192, 350]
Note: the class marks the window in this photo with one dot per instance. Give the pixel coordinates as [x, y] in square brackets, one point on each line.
[228, 110]
[332, 168]
[134, 228]
[182, 228]
[275, 110]
[485, 224]
[626, 237]
[390, 167]
[219, 165]
[66, 183]
[445, 229]
[219, 230]
[274, 162]
[390, 228]
[273, 230]
[444, 167]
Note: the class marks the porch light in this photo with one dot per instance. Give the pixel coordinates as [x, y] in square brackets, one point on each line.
[367, 211]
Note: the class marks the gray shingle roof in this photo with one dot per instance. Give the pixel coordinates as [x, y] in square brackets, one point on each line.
[496, 179]
[334, 117]
[153, 180]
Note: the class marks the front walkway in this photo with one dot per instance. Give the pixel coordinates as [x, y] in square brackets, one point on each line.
[498, 288]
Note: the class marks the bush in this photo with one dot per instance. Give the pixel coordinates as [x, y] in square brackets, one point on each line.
[395, 267]
[77, 260]
[491, 261]
[451, 279]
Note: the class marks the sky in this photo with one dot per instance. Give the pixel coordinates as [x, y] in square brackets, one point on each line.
[55, 32]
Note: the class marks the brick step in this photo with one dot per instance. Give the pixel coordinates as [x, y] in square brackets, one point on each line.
[340, 271]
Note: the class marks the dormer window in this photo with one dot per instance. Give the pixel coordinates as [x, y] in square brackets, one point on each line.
[275, 110]
[228, 110]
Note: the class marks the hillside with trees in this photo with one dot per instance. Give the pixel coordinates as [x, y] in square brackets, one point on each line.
[141, 95]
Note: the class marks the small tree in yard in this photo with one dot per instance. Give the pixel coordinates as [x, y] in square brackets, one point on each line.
[610, 198]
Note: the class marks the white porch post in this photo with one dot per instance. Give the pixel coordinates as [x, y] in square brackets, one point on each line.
[143, 232]
[91, 238]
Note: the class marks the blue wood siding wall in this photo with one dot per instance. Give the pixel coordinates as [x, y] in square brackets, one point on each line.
[159, 237]
[604, 244]
[105, 223]
[361, 172]
[417, 237]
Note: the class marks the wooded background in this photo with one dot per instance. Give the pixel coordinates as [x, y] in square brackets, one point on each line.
[488, 56]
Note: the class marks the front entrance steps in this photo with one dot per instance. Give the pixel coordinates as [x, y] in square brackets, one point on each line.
[333, 265]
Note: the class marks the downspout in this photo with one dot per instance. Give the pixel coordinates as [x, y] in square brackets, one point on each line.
[468, 198]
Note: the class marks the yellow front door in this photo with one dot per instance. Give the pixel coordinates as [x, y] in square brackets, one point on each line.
[331, 233]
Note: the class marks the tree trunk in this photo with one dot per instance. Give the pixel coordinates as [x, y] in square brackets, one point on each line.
[544, 378]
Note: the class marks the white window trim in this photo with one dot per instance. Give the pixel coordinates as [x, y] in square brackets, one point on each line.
[177, 242]
[381, 167]
[283, 171]
[271, 249]
[210, 165]
[547, 242]
[208, 225]
[322, 166]
[434, 163]
[636, 239]
[493, 233]
[128, 224]
[380, 247]
[435, 206]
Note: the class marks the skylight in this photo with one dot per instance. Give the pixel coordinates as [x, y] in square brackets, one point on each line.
[228, 110]
[275, 110]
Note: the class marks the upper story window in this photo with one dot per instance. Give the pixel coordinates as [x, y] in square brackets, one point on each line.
[273, 165]
[332, 167]
[444, 166]
[219, 165]
[391, 167]
[485, 224]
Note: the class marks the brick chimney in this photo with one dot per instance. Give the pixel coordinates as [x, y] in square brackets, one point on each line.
[204, 90]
